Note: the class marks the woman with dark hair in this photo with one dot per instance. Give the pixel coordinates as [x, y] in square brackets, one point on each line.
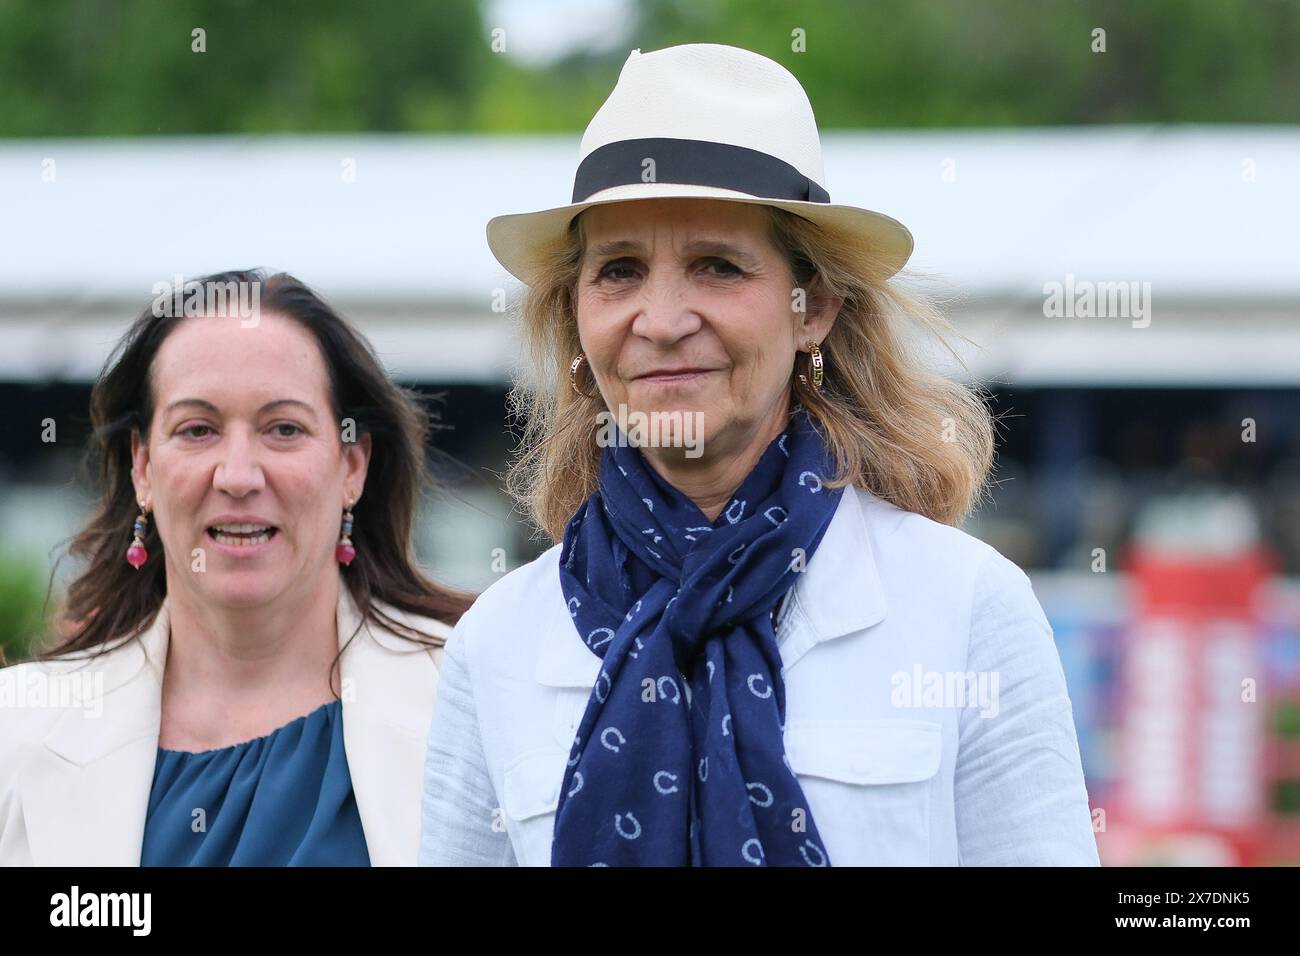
[247, 664]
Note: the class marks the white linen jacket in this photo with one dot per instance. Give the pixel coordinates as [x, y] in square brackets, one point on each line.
[896, 772]
[75, 780]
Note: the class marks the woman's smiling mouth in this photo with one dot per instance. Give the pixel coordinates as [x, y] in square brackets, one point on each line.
[672, 376]
[242, 537]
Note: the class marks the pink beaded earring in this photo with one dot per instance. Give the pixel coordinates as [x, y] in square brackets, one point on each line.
[344, 552]
[136, 555]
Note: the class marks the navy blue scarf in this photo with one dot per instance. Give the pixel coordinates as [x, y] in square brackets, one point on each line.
[669, 769]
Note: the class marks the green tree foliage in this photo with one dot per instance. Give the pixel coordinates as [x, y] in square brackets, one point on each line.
[127, 67]
[22, 608]
[1014, 62]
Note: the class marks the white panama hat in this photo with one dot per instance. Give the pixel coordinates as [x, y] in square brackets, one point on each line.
[700, 120]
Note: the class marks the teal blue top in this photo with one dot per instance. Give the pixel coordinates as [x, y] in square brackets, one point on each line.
[281, 800]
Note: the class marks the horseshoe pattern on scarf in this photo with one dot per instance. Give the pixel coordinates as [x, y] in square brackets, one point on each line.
[623, 563]
[618, 826]
[677, 694]
[815, 477]
[810, 845]
[672, 777]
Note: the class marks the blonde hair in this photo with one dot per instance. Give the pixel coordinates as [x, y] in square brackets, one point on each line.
[906, 434]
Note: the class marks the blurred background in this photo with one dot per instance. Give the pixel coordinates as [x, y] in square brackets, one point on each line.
[1103, 194]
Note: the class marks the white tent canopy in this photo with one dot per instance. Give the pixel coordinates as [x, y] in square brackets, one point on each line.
[392, 228]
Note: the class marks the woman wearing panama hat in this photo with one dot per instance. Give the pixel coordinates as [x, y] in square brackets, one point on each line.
[759, 638]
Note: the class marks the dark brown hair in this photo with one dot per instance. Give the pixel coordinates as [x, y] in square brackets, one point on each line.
[109, 599]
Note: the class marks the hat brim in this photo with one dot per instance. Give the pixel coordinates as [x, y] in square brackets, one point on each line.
[521, 241]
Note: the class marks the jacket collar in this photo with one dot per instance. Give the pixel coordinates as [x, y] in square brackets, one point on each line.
[840, 592]
[388, 690]
[817, 611]
[86, 802]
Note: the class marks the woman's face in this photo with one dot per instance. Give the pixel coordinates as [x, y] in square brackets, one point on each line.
[243, 433]
[686, 305]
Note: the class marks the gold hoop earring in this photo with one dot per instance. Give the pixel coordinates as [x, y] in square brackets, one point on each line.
[576, 364]
[818, 366]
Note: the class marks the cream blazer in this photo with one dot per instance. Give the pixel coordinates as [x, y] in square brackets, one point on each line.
[75, 777]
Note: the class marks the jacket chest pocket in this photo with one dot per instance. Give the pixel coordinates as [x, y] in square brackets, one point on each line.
[532, 781]
[868, 784]
[531, 795]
